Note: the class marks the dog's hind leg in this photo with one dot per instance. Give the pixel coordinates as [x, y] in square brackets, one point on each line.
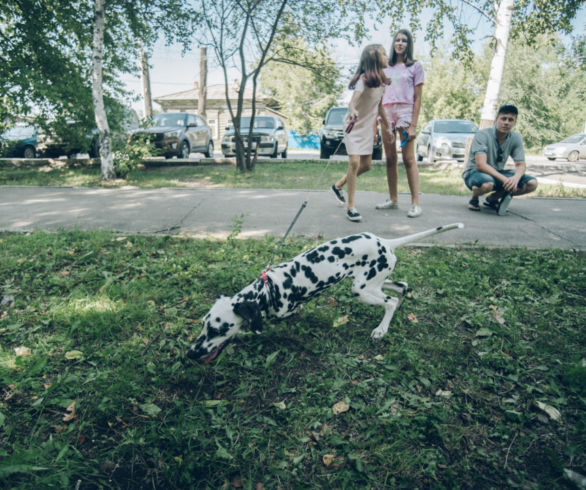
[374, 296]
[397, 286]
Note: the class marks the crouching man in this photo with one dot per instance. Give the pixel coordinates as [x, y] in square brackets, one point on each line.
[485, 170]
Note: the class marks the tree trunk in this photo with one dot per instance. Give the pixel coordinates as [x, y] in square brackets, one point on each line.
[107, 162]
[203, 83]
[146, 82]
[504, 16]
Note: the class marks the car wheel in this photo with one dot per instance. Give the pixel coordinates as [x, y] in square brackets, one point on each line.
[323, 153]
[284, 154]
[573, 156]
[29, 152]
[551, 158]
[209, 153]
[275, 153]
[184, 150]
[418, 155]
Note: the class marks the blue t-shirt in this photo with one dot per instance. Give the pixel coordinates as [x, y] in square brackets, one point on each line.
[497, 155]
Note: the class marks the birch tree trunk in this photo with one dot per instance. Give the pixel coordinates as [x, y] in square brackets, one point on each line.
[504, 16]
[107, 162]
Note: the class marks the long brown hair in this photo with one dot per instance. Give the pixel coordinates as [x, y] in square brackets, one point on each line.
[371, 66]
[408, 56]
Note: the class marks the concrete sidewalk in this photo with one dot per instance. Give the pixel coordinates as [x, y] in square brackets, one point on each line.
[531, 222]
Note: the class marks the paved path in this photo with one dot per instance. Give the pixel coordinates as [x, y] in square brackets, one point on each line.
[531, 222]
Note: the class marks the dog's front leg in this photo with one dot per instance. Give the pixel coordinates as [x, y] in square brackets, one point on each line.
[373, 295]
[390, 307]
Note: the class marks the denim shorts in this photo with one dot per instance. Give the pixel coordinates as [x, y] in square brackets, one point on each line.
[474, 178]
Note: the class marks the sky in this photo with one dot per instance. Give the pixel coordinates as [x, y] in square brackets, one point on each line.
[171, 72]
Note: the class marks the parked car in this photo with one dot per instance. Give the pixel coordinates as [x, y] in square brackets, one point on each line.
[19, 141]
[331, 136]
[444, 139]
[30, 142]
[572, 148]
[268, 132]
[177, 134]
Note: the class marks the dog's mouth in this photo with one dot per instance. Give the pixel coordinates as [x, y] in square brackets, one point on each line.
[215, 353]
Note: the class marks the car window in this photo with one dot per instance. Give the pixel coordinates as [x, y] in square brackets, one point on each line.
[455, 127]
[19, 132]
[192, 119]
[336, 116]
[574, 139]
[169, 120]
[259, 122]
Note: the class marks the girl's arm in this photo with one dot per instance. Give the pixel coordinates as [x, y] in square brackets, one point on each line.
[352, 111]
[412, 129]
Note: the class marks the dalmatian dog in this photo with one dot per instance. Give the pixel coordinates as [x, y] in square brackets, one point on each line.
[364, 258]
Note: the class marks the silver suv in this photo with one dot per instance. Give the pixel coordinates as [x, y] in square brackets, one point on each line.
[444, 139]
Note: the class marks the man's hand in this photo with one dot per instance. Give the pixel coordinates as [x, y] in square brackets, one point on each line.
[510, 184]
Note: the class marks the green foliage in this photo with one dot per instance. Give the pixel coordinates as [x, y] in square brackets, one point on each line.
[305, 82]
[128, 158]
[447, 400]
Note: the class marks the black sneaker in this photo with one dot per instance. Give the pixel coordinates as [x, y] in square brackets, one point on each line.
[353, 215]
[504, 204]
[338, 194]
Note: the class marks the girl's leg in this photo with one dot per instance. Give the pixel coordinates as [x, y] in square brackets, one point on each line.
[412, 170]
[364, 167]
[350, 179]
[392, 167]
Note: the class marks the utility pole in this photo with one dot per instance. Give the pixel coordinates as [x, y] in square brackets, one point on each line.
[146, 82]
[203, 85]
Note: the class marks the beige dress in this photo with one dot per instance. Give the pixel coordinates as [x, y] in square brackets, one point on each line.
[360, 140]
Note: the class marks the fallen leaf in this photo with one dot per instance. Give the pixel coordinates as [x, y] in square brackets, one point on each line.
[380, 357]
[73, 354]
[484, 332]
[444, 393]
[22, 351]
[342, 320]
[340, 407]
[412, 317]
[237, 482]
[553, 413]
[69, 412]
[280, 405]
[497, 315]
[330, 460]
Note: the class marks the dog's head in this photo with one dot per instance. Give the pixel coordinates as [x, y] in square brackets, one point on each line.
[221, 323]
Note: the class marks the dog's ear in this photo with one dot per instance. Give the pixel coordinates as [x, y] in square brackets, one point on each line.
[250, 311]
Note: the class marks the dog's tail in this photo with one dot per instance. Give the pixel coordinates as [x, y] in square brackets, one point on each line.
[397, 242]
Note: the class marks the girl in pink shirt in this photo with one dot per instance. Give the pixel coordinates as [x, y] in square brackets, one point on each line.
[402, 102]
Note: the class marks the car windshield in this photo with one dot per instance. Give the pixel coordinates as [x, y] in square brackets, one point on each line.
[336, 116]
[19, 133]
[259, 122]
[455, 127]
[574, 139]
[168, 120]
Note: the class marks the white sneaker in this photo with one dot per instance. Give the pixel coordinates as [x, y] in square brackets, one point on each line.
[414, 211]
[388, 204]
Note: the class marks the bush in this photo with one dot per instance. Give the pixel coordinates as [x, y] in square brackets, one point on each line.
[128, 158]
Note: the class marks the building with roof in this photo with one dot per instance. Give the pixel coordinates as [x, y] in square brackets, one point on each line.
[217, 112]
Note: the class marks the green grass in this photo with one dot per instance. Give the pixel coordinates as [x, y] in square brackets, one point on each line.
[293, 174]
[446, 400]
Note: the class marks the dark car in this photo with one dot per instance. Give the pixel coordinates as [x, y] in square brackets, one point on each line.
[177, 134]
[331, 136]
[268, 132]
[31, 142]
[19, 142]
[444, 139]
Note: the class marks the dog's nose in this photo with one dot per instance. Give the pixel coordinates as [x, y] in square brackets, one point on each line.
[192, 354]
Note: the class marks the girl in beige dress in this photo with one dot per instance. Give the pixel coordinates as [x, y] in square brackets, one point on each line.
[368, 83]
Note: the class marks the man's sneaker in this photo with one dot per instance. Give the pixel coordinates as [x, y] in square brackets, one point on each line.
[339, 194]
[414, 211]
[388, 204]
[504, 204]
[353, 215]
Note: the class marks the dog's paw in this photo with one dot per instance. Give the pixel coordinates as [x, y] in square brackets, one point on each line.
[378, 333]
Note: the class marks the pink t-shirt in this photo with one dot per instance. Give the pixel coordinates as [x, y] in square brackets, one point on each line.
[404, 79]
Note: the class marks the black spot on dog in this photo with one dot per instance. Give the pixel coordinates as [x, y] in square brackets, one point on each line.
[351, 238]
[324, 248]
[371, 274]
[331, 259]
[314, 257]
[309, 274]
